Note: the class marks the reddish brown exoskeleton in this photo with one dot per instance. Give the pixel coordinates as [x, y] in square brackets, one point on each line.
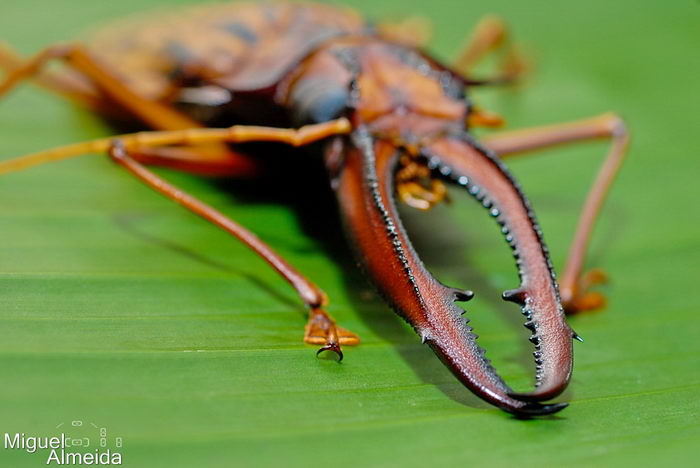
[389, 119]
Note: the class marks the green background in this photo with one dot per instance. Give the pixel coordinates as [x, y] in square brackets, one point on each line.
[121, 309]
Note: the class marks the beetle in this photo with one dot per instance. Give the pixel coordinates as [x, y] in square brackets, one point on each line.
[385, 117]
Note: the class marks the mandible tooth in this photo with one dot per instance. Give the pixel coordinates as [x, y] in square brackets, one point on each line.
[514, 295]
[463, 295]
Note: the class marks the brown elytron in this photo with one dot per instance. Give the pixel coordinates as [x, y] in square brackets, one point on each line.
[388, 119]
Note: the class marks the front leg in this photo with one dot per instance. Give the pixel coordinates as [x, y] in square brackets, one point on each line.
[321, 328]
[574, 285]
[126, 150]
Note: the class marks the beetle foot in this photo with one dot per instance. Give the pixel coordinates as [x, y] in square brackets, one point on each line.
[321, 329]
[335, 347]
[583, 300]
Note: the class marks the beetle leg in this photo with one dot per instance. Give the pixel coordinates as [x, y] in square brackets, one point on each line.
[102, 91]
[574, 285]
[150, 112]
[490, 34]
[225, 163]
[153, 113]
[321, 328]
[414, 31]
[193, 136]
[64, 84]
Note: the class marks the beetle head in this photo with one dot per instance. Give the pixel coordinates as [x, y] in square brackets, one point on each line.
[410, 119]
[392, 90]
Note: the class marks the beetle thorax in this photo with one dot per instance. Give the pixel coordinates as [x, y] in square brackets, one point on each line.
[401, 97]
[389, 88]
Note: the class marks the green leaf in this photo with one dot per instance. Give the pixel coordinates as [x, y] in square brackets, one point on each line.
[123, 310]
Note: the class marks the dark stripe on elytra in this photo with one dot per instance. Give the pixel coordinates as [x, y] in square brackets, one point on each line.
[242, 31]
